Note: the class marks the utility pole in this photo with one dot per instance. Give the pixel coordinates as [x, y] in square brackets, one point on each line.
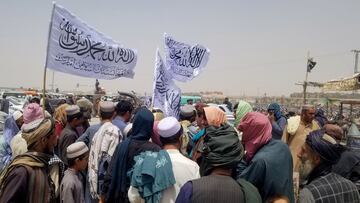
[356, 60]
[306, 77]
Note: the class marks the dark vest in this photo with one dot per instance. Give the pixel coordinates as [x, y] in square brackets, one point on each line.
[215, 189]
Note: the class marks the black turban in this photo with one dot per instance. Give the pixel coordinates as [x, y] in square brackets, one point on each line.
[221, 147]
[326, 146]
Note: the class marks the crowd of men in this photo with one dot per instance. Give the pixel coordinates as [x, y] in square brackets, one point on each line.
[136, 154]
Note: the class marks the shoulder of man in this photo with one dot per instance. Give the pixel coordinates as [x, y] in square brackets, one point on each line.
[251, 193]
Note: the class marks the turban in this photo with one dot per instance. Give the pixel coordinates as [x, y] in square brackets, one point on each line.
[39, 128]
[221, 147]
[326, 146]
[215, 116]
[334, 131]
[242, 109]
[256, 129]
[277, 110]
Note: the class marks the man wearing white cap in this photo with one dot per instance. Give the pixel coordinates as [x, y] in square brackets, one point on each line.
[69, 134]
[184, 169]
[102, 147]
[72, 185]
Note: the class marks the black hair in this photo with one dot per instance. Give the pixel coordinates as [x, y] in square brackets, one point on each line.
[173, 139]
[70, 118]
[4, 96]
[124, 106]
[35, 100]
[71, 162]
[106, 115]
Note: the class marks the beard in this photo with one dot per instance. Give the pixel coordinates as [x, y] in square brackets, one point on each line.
[305, 169]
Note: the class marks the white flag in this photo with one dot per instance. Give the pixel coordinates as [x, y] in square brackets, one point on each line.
[185, 62]
[166, 93]
[76, 48]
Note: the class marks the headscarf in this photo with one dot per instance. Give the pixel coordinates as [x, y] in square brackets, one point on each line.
[221, 148]
[32, 112]
[256, 129]
[60, 114]
[326, 146]
[277, 110]
[320, 117]
[242, 109]
[142, 130]
[42, 128]
[10, 129]
[215, 116]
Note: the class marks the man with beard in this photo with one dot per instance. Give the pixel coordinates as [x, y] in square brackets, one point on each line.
[296, 130]
[27, 178]
[317, 156]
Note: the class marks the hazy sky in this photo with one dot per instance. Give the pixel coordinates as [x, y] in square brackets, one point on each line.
[256, 47]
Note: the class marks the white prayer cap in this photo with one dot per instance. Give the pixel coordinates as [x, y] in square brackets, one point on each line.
[76, 149]
[168, 127]
[72, 110]
[17, 115]
[187, 110]
[107, 107]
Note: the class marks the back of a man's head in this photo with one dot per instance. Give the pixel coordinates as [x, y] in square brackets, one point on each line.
[124, 106]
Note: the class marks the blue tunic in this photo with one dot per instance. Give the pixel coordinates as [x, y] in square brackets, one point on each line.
[270, 170]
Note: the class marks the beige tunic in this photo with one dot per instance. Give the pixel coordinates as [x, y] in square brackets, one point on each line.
[296, 140]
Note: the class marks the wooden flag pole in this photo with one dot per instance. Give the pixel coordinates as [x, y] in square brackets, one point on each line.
[46, 59]
[306, 77]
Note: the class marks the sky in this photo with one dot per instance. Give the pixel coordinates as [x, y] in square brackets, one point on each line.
[256, 47]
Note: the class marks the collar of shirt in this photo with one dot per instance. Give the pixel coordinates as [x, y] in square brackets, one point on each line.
[173, 151]
[119, 118]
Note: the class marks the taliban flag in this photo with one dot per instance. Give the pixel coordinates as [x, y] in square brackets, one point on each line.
[310, 64]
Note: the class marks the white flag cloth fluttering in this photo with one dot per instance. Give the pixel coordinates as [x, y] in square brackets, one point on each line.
[76, 48]
[184, 62]
[166, 95]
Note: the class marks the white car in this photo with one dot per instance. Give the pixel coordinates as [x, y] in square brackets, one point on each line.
[16, 104]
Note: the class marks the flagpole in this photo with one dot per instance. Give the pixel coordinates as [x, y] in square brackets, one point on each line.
[46, 58]
[306, 77]
[154, 81]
